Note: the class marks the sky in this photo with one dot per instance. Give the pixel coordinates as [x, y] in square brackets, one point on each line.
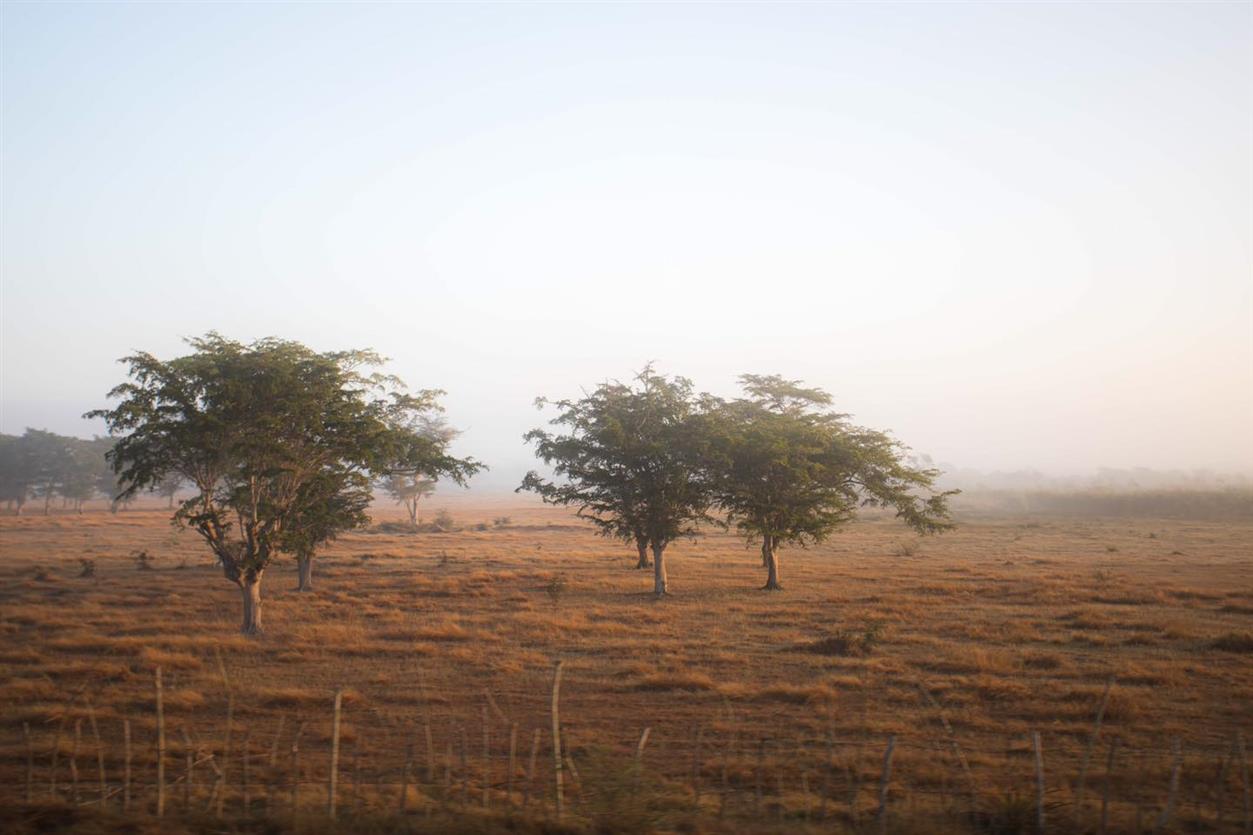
[1016, 235]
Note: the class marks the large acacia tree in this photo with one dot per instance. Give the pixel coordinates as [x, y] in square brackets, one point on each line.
[788, 470]
[254, 430]
[627, 457]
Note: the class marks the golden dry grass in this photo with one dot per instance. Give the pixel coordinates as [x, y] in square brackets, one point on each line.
[1013, 625]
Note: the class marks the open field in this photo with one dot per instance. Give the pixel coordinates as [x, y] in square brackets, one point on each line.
[777, 707]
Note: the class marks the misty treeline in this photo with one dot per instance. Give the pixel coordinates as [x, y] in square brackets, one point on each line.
[50, 468]
[276, 449]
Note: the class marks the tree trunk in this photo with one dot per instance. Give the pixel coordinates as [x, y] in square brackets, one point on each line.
[642, 545]
[412, 507]
[250, 586]
[660, 587]
[304, 565]
[771, 559]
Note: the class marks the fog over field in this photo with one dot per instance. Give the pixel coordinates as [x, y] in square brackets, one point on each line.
[1020, 237]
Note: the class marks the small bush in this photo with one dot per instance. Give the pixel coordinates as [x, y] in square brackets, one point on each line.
[555, 588]
[502, 521]
[1234, 642]
[88, 567]
[847, 642]
[443, 522]
[143, 560]
[905, 549]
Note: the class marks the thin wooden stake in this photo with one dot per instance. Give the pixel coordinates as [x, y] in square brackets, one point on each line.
[243, 770]
[1087, 753]
[404, 777]
[1244, 780]
[1039, 781]
[95, 733]
[430, 747]
[556, 721]
[1109, 779]
[53, 757]
[160, 746]
[189, 760]
[333, 788]
[530, 771]
[885, 779]
[513, 760]
[696, 767]
[126, 765]
[639, 749]
[487, 759]
[78, 733]
[30, 764]
[295, 769]
[1172, 796]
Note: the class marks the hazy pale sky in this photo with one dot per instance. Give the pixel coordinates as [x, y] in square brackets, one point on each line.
[1017, 235]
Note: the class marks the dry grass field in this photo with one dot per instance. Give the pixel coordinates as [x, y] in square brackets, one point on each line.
[764, 710]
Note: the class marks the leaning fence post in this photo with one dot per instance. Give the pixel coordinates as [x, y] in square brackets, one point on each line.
[126, 764]
[556, 717]
[639, 749]
[332, 789]
[1087, 753]
[884, 779]
[160, 746]
[1039, 781]
[1177, 762]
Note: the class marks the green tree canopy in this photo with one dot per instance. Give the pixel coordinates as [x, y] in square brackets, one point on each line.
[788, 470]
[627, 458]
[254, 431]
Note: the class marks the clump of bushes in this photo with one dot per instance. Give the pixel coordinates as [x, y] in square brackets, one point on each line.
[88, 567]
[1234, 642]
[143, 560]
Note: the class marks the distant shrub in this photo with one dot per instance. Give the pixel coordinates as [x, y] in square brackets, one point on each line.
[88, 567]
[482, 526]
[905, 548]
[1234, 642]
[443, 522]
[555, 588]
[143, 560]
[502, 521]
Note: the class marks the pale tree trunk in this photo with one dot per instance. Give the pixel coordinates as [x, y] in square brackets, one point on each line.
[304, 566]
[412, 506]
[642, 545]
[250, 586]
[771, 559]
[660, 586]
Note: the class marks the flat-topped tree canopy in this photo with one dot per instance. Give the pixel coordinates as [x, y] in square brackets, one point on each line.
[268, 436]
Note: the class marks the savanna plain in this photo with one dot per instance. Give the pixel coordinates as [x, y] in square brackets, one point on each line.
[1025, 670]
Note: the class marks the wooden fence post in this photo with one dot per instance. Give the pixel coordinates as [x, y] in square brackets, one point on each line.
[884, 779]
[78, 734]
[1244, 780]
[295, 769]
[95, 733]
[530, 771]
[1109, 776]
[696, 767]
[639, 749]
[126, 765]
[30, 763]
[487, 758]
[160, 746]
[556, 721]
[404, 776]
[1087, 753]
[189, 763]
[1177, 762]
[430, 746]
[1039, 781]
[513, 755]
[333, 788]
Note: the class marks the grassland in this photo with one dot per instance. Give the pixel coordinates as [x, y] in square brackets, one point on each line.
[780, 704]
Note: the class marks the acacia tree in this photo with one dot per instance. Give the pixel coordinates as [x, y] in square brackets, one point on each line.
[251, 429]
[408, 489]
[628, 460]
[787, 470]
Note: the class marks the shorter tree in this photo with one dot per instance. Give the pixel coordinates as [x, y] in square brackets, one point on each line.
[629, 461]
[335, 500]
[787, 470]
[408, 489]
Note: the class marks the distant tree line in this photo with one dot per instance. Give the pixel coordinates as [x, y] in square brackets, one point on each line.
[44, 466]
